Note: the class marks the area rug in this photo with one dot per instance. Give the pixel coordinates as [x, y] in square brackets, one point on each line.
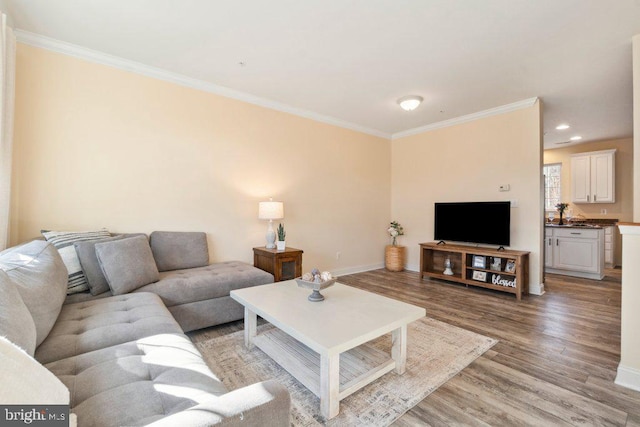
[436, 352]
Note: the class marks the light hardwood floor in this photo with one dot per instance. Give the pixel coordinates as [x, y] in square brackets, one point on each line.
[554, 364]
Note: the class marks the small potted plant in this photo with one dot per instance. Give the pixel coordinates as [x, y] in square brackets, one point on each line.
[280, 244]
[561, 207]
[394, 255]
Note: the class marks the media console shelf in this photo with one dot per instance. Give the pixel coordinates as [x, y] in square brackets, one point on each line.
[506, 271]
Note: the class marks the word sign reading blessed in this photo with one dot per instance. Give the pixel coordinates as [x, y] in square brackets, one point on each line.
[497, 280]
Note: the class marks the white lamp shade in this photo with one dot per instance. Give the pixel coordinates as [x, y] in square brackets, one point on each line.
[271, 210]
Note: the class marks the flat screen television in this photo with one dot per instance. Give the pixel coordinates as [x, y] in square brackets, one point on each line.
[473, 222]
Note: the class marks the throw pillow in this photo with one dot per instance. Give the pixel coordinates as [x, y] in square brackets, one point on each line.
[16, 322]
[41, 278]
[86, 252]
[63, 241]
[27, 382]
[127, 264]
[175, 250]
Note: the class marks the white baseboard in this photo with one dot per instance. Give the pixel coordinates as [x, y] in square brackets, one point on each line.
[413, 267]
[357, 269]
[536, 290]
[628, 377]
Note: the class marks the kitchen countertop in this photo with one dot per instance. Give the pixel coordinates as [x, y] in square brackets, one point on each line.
[590, 226]
[596, 223]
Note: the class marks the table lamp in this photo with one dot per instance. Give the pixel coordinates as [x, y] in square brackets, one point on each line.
[271, 210]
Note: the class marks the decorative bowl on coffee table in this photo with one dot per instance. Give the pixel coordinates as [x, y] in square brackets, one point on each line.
[316, 287]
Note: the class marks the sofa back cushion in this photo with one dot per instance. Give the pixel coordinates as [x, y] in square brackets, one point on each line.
[40, 276]
[176, 250]
[16, 322]
[86, 252]
[127, 264]
[63, 241]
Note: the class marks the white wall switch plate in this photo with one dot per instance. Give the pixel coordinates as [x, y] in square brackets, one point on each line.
[505, 187]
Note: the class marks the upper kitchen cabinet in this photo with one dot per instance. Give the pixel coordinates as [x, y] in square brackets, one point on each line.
[593, 177]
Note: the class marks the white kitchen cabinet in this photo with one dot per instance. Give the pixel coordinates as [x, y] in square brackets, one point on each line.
[576, 252]
[610, 246]
[593, 177]
[548, 247]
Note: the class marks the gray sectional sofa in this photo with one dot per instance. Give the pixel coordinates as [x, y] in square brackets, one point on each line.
[125, 358]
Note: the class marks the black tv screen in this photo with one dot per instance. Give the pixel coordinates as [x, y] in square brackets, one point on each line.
[474, 222]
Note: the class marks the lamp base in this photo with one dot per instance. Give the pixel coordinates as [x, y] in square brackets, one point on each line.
[271, 236]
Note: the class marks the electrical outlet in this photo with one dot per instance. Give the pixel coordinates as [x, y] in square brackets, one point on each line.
[603, 211]
[338, 255]
[505, 187]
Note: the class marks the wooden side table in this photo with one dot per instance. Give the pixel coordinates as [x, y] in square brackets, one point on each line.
[284, 265]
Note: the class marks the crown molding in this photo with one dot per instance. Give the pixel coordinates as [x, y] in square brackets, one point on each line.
[95, 56]
[468, 118]
[90, 55]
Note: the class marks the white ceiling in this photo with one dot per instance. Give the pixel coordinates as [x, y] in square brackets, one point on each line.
[351, 60]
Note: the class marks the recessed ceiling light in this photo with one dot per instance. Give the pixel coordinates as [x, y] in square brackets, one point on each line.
[575, 138]
[563, 126]
[410, 102]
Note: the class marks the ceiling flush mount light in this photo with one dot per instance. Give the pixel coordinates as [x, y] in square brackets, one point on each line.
[563, 126]
[410, 102]
[575, 138]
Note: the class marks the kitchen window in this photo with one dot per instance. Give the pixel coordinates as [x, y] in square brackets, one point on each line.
[552, 185]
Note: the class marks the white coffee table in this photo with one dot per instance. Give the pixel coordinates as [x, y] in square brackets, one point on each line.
[328, 338]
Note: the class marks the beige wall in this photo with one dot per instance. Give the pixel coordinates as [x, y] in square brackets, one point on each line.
[101, 147]
[468, 162]
[622, 209]
[636, 127]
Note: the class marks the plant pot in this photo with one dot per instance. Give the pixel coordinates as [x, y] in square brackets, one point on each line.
[394, 257]
[280, 245]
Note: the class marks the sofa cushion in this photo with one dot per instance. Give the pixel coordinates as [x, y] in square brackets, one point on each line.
[86, 252]
[27, 382]
[93, 325]
[213, 281]
[143, 380]
[127, 264]
[203, 314]
[41, 278]
[63, 241]
[175, 250]
[16, 322]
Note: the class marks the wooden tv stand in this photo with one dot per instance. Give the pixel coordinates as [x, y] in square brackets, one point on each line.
[512, 275]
